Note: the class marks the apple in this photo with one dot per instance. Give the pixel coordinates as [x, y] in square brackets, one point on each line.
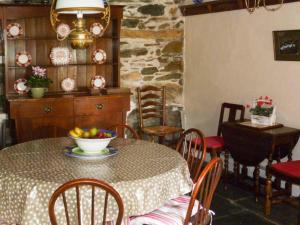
[93, 131]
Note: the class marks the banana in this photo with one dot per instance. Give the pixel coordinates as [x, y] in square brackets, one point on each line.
[73, 134]
[78, 131]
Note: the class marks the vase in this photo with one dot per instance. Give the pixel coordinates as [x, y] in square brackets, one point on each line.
[264, 120]
[37, 92]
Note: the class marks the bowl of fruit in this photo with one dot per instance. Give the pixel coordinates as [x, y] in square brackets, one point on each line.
[92, 141]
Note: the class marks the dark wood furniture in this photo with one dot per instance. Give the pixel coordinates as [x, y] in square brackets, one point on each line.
[215, 144]
[55, 116]
[152, 106]
[125, 131]
[249, 146]
[193, 153]
[290, 173]
[74, 186]
[59, 111]
[221, 6]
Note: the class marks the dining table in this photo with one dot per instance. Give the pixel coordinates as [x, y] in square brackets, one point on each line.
[145, 174]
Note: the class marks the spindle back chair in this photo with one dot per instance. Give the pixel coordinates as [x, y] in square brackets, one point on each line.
[193, 153]
[125, 131]
[61, 191]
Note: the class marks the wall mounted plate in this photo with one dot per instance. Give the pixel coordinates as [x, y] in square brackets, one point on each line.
[23, 59]
[96, 29]
[99, 56]
[60, 56]
[14, 30]
[21, 87]
[98, 82]
[63, 30]
[68, 84]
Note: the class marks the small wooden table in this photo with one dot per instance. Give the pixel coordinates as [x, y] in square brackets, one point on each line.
[249, 146]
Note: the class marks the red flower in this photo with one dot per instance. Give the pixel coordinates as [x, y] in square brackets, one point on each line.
[260, 97]
[260, 103]
[267, 97]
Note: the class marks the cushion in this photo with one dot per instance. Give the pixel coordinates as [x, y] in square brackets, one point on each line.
[289, 169]
[211, 142]
[172, 213]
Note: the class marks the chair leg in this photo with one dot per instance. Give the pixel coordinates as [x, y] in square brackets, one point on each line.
[226, 163]
[236, 171]
[257, 186]
[161, 140]
[268, 198]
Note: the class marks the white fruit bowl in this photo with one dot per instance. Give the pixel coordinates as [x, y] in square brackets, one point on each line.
[94, 145]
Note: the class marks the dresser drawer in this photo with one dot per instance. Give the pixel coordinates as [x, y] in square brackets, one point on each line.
[45, 107]
[99, 105]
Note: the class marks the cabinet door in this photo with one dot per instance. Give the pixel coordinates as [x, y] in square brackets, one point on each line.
[43, 127]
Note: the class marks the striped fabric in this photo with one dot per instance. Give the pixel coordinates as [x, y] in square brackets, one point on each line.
[172, 213]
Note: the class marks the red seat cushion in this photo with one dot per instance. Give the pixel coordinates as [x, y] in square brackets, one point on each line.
[288, 169]
[211, 142]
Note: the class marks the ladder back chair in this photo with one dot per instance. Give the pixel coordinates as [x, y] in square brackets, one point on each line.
[61, 192]
[194, 154]
[125, 131]
[185, 210]
[152, 106]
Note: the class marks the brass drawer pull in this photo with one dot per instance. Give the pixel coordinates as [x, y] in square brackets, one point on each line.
[47, 109]
[99, 106]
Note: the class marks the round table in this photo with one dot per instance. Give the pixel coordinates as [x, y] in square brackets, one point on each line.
[145, 174]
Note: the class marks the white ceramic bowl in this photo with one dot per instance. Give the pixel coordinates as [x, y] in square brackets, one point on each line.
[94, 145]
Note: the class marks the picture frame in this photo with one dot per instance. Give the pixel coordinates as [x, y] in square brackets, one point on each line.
[287, 45]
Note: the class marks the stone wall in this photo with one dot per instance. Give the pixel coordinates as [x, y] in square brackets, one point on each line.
[152, 50]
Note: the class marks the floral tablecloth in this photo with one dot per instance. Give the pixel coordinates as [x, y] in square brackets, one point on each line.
[145, 174]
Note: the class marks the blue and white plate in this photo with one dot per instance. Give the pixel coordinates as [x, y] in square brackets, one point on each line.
[76, 152]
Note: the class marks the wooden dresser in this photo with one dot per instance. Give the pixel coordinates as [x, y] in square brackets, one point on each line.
[54, 117]
[58, 111]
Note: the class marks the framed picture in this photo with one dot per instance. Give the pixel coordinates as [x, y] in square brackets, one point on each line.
[287, 45]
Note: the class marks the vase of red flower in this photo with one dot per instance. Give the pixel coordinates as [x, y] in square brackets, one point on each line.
[263, 111]
[38, 82]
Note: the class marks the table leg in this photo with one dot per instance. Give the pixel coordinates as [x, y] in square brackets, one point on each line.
[226, 163]
[268, 197]
[245, 171]
[236, 171]
[257, 186]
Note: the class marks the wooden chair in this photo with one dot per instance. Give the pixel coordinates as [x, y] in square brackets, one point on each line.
[152, 105]
[288, 171]
[192, 209]
[109, 191]
[125, 131]
[215, 144]
[193, 153]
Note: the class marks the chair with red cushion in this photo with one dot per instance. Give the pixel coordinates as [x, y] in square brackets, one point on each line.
[215, 144]
[287, 171]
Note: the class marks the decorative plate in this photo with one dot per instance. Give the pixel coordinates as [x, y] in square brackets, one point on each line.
[23, 59]
[68, 84]
[60, 56]
[21, 87]
[96, 29]
[14, 30]
[76, 152]
[98, 82]
[99, 56]
[63, 30]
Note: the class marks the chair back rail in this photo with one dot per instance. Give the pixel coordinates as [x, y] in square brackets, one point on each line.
[193, 152]
[232, 116]
[109, 191]
[204, 190]
[151, 104]
[124, 130]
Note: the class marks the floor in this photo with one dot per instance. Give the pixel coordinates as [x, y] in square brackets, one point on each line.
[238, 207]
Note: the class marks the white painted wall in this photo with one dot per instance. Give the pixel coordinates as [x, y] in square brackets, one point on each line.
[229, 58]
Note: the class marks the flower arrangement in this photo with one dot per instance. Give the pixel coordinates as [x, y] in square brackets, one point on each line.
[263, 111]
[39, 78]
[262, 106]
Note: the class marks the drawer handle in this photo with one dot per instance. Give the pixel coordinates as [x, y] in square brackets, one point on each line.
[47, 109]
[99, 106]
